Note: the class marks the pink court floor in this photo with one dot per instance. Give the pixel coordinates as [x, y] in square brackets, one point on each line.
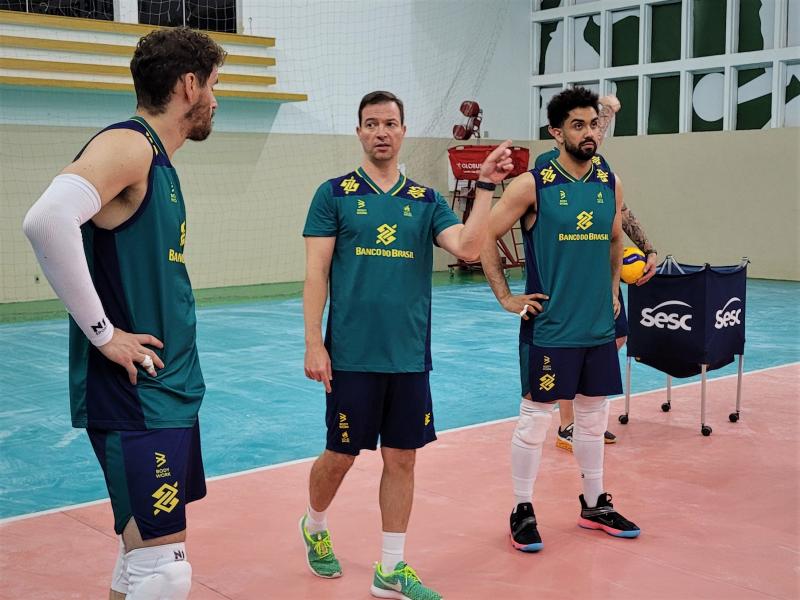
[719, 517]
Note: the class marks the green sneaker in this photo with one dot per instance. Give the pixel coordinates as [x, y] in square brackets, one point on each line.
[402, 583]
[319, 553]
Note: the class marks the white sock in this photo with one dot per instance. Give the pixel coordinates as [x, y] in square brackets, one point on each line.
[524, 467]
[392, 552]
[526, 447]
[588, 445]
[316, 521]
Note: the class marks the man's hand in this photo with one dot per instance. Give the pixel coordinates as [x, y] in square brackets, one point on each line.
[615, 304]
[318, 365]
[524, 304]
[649, 269]
[498, 164]
[127, 349]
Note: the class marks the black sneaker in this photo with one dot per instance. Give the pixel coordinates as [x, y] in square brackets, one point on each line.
[603, 516]
[524, 535]
[609, 438]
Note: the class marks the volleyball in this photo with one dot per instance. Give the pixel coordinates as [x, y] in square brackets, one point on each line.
[633, 263]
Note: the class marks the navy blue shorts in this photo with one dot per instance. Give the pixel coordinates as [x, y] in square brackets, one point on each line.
[363, 407]
[621, 322]
[549, 374]
[151, 475]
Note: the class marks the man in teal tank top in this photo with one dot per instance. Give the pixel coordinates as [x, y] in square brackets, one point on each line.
[569, 211]
[110, 233]
[369, 239]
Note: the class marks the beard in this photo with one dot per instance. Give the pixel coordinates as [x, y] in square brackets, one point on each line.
[199, 119]
[581, 153]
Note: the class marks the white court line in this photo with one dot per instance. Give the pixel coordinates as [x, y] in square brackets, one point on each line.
[310, 458]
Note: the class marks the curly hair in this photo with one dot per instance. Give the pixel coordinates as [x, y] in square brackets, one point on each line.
[163, 56]
[575, 97]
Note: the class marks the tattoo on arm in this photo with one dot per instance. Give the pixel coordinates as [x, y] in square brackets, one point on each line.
[605, 117]
[633, 229]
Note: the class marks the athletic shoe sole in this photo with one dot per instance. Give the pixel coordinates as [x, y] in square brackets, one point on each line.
[526, 547]
[587, 524]
[381, 593]
[308, 562]
[564, 445]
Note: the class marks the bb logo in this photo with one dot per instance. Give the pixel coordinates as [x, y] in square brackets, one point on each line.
[416, 192]
[653, 317]
[166, 498]
[585, 220]
[386, 234]
[548, 175]
[547, 382]
[728, 318]
[602, 175]
[349, 185]
[427, 419]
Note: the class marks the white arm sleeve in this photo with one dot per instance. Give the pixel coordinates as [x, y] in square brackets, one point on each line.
[53, 227]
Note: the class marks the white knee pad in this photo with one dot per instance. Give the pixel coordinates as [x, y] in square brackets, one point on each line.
[159, 573]
[534, 421]
[119, 578]
[591, 417]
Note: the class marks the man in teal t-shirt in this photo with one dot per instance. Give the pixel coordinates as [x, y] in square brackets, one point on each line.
[569, 211]
[109, 233]
[369, 239]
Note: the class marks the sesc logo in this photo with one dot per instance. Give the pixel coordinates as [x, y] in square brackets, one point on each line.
[653, 317]
[728, 318]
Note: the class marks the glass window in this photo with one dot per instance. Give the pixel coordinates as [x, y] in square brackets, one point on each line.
[708, 90]
[86, 9]
[627, 90]
[586, 42]
[625, 37]
[754, 98]
[664, 104]
[791, 114]
[708, 27]
[665, 38]
[208, 15]
[756, 25]
[545, 94]
[545, 4]
[793, 23]
[551, 47]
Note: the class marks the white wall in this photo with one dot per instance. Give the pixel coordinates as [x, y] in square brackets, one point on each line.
[432, 53]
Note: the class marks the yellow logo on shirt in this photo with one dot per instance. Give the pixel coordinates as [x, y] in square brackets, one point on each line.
[562, 198]
[350, 185]
[407, 211]
[427, 419]
[585, 220]
[174, 255]
[361, 207]
[548, 175]
[602, 175]
[596, 160]
[386, 234]
[343, 424]
[416, 191]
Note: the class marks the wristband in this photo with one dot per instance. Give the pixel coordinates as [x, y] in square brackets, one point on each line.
[485, 185]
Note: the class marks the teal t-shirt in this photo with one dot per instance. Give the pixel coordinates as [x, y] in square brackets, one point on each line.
[139, 272]
[379, 317]
[568, 256]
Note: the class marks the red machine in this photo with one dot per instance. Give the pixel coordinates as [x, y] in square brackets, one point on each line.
[465, 161]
